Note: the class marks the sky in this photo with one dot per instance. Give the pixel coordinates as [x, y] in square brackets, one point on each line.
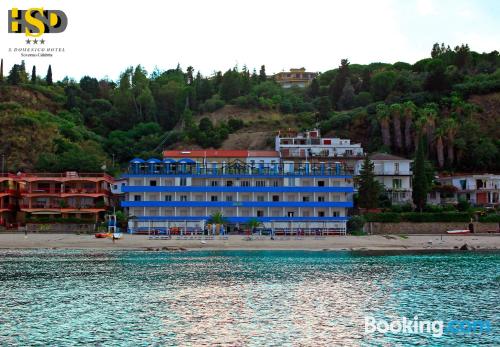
[104, 37]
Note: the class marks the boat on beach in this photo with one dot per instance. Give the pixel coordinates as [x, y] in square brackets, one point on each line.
[458, 232]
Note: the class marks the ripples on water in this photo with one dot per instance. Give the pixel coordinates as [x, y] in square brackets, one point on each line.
[239, 298]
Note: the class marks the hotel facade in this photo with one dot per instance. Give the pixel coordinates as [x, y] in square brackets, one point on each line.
[186, 188]
[86, 196]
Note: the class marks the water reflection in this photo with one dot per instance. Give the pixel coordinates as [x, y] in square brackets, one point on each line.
[237, 298]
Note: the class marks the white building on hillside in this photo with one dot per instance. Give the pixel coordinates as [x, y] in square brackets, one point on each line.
[477, 189]
[394, 173]
[310, 145]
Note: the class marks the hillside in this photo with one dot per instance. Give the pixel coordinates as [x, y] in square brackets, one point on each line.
[450, 101]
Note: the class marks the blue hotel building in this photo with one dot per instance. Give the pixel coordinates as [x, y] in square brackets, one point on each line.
[187, 187]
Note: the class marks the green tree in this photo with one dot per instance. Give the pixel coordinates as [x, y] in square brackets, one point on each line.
[395, 110]
[217, 218]
[436, 80]
[48, 78]
[382, 83]
[262, 74]
[346, 100]
[230, 86]
[314, 89]
[409, 110]
[337, 84]
[324, 106]
[17, 74]
[369, 189]
[420, 183]
[429, 116]
[439, 135]
[451, 127]
[33, 74]
[383, 116]
[90, 86]
[253, 223]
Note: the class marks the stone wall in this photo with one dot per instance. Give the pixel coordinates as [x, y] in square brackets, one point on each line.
[424, 228]
[59, 228]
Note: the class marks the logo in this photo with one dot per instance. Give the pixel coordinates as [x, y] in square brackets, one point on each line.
[436, 327]
[35, 22]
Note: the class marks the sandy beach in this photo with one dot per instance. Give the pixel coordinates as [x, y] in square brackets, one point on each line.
[239, 242]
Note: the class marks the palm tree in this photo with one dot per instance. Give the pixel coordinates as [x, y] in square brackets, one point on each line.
[409, 110]
[451, 127]
[253, 223]
[420, 129]
[430, 114]
[439, 134]
[383, 117]
[396, 123]
[217, 218]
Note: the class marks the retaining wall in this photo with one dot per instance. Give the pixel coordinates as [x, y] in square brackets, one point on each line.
[425, 228]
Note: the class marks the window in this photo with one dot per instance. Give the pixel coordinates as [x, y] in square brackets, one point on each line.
[290, 214]
[168, 197]
[396, 168]
[229, 183]
[260, 213]
[321, 199]
[305, 199]
[183, 181]
[321, 213]
[260, 198]
[321, 183]
[229, 198]
[276, 198]
[213, 198]
[396, 183]
[152, 183]
[260, 183]
[276, 183]
[336, 214]
[137, 198]
[214, 183]
[184, 198]
[115, 186]
[245, 183]
[291, 182]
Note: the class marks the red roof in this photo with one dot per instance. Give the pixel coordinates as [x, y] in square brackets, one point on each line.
[263, 154]
[212, 153]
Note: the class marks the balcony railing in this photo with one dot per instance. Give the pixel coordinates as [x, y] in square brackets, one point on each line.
[66, 190]
[278, 170]
[72, 175]
[59, 206]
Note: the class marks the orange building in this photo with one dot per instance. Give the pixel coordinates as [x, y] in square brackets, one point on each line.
[8, 198]
[70, 194]
[295, 78]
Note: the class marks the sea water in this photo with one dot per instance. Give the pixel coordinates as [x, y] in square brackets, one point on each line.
[242, 298]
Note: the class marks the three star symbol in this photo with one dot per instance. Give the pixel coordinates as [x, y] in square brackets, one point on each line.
[35, 41]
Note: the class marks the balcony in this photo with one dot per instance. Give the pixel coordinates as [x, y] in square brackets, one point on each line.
[392, 172]
[66, 190]
[53, 206]
[332, 169]
[4, 190]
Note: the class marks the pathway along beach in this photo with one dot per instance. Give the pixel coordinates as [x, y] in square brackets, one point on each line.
[239, 242]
